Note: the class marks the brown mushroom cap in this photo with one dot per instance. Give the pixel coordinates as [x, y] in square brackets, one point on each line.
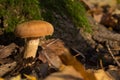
[34, 28]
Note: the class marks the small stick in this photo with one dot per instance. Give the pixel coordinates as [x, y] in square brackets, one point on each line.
[101, 64]
[79, 53]
[112, 55]
[52, 42]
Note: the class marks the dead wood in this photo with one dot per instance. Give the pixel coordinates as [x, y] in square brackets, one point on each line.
[7, 50]
[101, 33]
[6, 68]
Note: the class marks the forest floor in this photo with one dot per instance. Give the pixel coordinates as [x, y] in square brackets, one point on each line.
[98, 51]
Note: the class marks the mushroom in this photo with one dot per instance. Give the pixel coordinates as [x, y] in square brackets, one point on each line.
[33, 31]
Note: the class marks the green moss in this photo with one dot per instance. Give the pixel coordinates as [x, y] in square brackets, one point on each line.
[17, 11]
[72, 8]
[77, 12]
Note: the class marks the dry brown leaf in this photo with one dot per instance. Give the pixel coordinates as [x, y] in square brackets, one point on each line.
[29, 77]
[116, 11]
[51, 50]
[98, 17]
[42, 58]
[68, 73]
[1, 79]
[102, 75]
[18, 77]
[56, 45]
[111, 3]
[52, 58]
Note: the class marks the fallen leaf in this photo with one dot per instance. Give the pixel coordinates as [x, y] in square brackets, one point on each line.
[18, 77]
[68, 73]
[102, 75]
[1, 79]
[42, 58]
[97, 17]
[29, 77]
[51, 50]
[111, 3]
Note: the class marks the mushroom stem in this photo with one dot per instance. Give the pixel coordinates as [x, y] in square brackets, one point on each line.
[31, 47]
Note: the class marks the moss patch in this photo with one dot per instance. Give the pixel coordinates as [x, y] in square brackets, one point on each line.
[17, 11]
[71, 8]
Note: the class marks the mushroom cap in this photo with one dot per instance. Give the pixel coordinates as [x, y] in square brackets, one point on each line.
[34, 28]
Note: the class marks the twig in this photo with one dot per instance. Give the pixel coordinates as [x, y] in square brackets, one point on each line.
[79, 53]
[112, 55]
[101, 64]
[117, 49]
[52, 42]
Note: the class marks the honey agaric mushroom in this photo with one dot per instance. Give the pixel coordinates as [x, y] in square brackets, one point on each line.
[33, 31]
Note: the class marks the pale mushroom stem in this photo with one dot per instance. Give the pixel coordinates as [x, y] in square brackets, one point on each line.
[31, 47]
